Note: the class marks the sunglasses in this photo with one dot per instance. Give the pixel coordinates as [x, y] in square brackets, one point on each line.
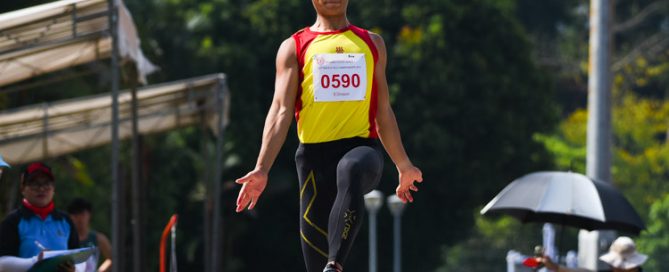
[40, 185]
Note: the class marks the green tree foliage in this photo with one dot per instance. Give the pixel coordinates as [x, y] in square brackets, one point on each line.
[655, 241]
[560, 38]
[469, 99]
[486, 248]
[640, 166]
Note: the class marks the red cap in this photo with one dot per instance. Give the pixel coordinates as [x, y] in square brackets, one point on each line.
[38, 167]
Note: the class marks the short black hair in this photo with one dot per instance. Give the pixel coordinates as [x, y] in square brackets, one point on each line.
[79, 205]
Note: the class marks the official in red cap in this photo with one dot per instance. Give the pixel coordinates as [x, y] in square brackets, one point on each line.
[35, 225]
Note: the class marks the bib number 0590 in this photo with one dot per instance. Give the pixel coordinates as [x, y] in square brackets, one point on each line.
[337, 81]
[339, 77]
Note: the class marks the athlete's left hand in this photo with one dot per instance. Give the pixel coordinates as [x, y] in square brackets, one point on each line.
[407, 176]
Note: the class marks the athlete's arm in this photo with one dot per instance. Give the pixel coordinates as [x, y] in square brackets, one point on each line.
[276, 128]
[389, 133]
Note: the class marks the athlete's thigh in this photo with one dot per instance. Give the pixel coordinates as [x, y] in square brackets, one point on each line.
[317, 194]
[318, 189]
[317, 180]
[367, 161]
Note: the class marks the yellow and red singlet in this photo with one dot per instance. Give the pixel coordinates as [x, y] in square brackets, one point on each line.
[337, 96]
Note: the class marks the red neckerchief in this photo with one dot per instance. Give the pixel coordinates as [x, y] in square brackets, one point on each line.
[42, 212]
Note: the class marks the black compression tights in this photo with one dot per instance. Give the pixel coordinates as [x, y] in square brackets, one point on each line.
[334, 177]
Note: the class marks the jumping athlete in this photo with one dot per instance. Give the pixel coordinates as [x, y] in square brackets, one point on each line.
[332, 77]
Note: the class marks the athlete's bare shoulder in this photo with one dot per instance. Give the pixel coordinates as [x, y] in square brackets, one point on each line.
[377, 39]
[378, 42]
[287, 49]
[288, 43]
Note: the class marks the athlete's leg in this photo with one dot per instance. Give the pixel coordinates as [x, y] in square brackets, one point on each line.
[317, 193]
[358, 172]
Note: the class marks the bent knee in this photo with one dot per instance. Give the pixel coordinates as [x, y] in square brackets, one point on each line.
[360, 159]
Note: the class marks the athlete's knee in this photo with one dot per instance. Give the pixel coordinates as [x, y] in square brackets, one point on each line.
[351, 166]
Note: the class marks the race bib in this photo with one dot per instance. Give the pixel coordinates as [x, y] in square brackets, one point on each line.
[339, 77]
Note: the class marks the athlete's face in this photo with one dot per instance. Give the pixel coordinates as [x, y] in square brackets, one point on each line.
[330, 7]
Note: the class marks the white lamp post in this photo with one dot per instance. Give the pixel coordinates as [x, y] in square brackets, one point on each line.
[373, 202]
[396, 207]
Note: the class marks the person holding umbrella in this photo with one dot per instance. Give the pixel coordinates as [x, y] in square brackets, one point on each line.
[622, 257]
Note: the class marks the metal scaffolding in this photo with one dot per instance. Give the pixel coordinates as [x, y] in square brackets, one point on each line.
[55, 36]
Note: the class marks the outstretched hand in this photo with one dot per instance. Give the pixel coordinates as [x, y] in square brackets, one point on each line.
[253, 184]
[408, 176]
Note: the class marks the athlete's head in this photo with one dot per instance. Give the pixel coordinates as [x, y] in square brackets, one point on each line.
[330, 7]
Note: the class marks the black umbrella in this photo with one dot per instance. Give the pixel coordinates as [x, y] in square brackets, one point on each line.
[566, 198]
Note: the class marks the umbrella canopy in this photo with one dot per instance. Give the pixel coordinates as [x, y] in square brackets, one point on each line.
[566, 198]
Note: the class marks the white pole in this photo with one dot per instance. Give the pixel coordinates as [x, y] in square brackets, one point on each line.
[396, 208]
[372, 242]
[373, 202]
[397, 243]
[598, 158]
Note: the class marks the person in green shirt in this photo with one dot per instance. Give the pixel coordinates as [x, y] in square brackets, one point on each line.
[80, 212]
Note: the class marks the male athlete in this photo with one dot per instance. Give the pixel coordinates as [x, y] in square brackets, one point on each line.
[332, 77]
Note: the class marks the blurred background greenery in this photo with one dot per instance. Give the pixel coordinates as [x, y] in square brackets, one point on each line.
[484, 92]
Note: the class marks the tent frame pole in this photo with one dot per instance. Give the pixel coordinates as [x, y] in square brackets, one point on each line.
[117, 240]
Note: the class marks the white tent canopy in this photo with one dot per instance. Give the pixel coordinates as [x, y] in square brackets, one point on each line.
[50, 130]
[62, 34]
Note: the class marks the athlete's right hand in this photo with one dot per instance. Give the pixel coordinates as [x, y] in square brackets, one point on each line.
[253, 184]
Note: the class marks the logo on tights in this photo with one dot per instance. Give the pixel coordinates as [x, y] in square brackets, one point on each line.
[349, 218]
